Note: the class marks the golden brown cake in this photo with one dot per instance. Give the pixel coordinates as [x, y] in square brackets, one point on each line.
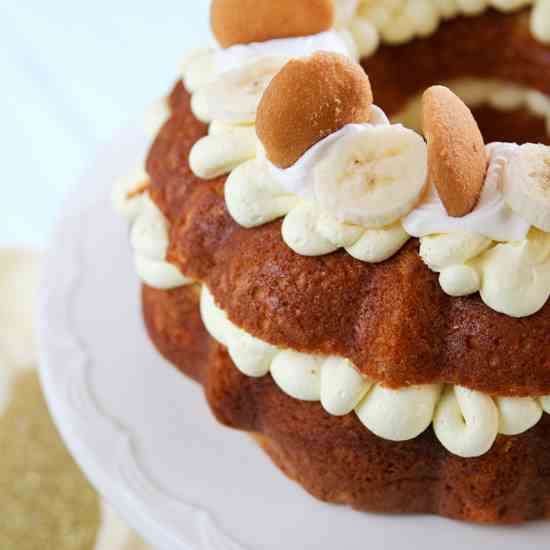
[387, 353]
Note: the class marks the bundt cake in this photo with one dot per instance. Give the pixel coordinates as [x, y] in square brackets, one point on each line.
[357, 268]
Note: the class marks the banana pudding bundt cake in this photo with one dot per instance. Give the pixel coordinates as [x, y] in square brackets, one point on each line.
[357, 268]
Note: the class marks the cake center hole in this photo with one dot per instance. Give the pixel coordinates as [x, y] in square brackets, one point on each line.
[504, 110]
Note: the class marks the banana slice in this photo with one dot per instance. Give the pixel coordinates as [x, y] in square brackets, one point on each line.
[373, 178]
[234, 97]
[526, 185]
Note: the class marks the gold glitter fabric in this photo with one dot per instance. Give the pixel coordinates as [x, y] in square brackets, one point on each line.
[45, 501]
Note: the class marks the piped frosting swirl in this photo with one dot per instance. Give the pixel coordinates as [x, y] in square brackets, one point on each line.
[149, 234]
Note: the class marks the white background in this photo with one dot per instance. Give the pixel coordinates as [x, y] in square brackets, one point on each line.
[71, 74]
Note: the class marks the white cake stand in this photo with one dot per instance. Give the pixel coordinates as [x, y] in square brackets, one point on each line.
[143, 433]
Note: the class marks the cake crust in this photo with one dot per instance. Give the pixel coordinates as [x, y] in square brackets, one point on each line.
[335, 458]
[391, 319]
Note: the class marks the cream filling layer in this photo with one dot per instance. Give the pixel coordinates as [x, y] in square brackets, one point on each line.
[466, 422]
[149, 234]
[206, 65]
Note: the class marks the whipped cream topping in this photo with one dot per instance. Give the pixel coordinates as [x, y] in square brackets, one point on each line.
[149, 234]
[258, 192]
[299, 178]
[227, 86]
[491, 217]
[492, 250]
[206, 65]
[239, 55]
[465, 421]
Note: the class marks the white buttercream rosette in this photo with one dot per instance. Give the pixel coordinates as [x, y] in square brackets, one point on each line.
[502, 248]
[350, 190]
[227, 86]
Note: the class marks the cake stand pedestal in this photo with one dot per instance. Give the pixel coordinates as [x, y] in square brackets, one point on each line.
[143, 433]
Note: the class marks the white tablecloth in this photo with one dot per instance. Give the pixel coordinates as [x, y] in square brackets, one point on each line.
[72, 73]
